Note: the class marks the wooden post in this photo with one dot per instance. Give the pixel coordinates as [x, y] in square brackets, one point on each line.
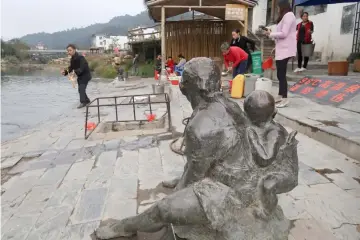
[273, 6]
[163, 46]
[246, 21]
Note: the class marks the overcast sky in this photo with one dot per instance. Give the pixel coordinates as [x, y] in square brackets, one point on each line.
[20, 17]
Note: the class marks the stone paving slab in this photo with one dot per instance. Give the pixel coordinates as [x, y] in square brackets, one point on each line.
[119, 178]
[10, 162]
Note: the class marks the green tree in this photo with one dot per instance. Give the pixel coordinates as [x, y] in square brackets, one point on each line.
[14, 48]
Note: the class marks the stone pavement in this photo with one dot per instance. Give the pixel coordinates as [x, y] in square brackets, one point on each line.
[338, 128]
[60, 186]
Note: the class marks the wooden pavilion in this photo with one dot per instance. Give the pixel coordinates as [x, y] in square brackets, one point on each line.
[198, 38]
[145, 41]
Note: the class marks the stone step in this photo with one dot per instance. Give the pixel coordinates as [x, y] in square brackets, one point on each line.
[335, 127]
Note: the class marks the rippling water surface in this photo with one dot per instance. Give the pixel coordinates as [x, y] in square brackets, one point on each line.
[28, 100]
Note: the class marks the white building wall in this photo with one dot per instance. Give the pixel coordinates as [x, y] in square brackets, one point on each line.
[328, 40]
[259, 15]
[146, 33]
[109, 42]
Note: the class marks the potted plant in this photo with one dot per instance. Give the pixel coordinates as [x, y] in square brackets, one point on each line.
[338, 68]
[355, 59]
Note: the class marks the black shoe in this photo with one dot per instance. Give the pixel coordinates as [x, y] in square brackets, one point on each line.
[82, 105]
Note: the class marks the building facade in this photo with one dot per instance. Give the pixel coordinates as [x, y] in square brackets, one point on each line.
[140, 34]
[334, 26]
[40, 46]
[107, 42]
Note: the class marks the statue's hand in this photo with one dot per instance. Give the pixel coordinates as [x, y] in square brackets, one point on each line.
[180, 185]
[171, 183]
[291, 138]
[267, 196]
[270, 183]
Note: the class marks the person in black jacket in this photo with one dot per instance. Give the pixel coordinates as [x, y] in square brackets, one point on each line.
[158, 64]
[242, 42]
[80, 66]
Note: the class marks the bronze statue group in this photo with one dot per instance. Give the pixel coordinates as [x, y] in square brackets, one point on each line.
[237, 163]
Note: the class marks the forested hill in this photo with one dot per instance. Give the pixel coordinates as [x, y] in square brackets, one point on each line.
[82, 36]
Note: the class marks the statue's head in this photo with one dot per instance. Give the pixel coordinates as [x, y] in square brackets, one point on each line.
[201, 78]
[259, 106]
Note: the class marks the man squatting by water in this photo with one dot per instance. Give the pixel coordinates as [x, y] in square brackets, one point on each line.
[80, 66]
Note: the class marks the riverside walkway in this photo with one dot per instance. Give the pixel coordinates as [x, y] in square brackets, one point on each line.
[56, 185]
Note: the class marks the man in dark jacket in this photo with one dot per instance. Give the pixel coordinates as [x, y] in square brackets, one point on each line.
[243, 42]
[135, 65]
[158, 64]
[80, 66]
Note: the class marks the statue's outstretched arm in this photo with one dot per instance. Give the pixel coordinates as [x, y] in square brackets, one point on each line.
[282, 178]
[202, 149]
[195, 171]
[286, 178]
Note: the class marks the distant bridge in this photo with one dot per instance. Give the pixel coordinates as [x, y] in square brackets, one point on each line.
[53, 51]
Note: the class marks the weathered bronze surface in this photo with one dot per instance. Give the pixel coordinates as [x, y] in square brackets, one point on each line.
[236, 164]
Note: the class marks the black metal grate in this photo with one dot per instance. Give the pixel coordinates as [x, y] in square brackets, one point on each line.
[130, 101]
[356, 37]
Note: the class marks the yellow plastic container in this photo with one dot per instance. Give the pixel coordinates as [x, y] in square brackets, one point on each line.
[237, 88]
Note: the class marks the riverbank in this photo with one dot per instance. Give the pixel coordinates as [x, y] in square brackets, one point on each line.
[101, 65]
[19, 68]
[61, 186]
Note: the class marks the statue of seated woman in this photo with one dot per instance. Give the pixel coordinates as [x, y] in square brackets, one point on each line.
[236, 164]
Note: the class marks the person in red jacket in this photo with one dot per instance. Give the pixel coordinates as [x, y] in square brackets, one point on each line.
[170, 64]
[304, 32]
[236, 56]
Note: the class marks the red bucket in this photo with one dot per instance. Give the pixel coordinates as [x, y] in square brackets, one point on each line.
[156, 75]
[150, 117]
[174, 82]
[268, 64]
[90, 126]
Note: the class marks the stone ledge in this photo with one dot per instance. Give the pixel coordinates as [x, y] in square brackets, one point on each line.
[338, 140]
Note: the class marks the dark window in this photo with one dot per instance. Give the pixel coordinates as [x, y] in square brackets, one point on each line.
[312, 10]
[348, 19]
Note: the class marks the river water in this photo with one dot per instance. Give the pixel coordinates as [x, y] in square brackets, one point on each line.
[29, 100]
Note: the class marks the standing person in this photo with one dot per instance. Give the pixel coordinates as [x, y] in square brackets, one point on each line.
[182, 61]
[170, 64]
[304, 32]
[285, 47]
[237, 56]
[243, 42]
[80, 66]
[136, 64]
[179, 68]
[158, 64]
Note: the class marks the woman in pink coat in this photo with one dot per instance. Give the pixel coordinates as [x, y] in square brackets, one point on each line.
[285, 40]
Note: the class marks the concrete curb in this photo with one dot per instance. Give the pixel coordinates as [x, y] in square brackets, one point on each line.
[334, 140]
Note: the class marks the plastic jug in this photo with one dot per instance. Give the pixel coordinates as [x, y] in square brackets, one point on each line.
[237, 88]
[250, 80]
[264, 84]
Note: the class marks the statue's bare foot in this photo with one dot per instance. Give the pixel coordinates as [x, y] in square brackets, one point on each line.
[112, 228]
[171, 183]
